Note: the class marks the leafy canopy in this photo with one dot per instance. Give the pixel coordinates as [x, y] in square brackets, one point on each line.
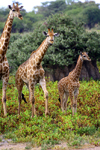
[72, 39]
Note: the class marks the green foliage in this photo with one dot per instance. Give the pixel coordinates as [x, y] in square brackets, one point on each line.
[1, 26]
[58, 126]
[91, 16]
[65, 50]
[88, 12]
[51, 7]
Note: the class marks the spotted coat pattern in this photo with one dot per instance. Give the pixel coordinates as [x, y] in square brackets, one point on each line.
[31, 73]
[4, 42]
[69, 86]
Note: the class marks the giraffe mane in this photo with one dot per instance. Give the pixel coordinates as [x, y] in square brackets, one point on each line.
[38, 48]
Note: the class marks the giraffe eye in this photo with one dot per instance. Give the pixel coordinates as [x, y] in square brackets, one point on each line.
[13, 9]
[84, 56]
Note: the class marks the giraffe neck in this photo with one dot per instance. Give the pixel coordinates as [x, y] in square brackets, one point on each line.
[77, 70]
[40, 52]
[4, 39]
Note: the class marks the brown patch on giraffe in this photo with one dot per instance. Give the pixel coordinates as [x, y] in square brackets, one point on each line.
[42, 53]
[5, 68]
[31, 71]
[3, 64]
[0, 51]
[38, 65]
[37, 72]
[33, 76]
[36, 59]
[32, 62]
[25, 75]
[10, 24]
[29, 67]
[41, 72]
[7, 40]
[3, 47]
[9, 29]
[8, 34]
[34, 67]
[32, 85]
[6, 44]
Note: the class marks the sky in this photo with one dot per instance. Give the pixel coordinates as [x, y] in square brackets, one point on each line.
[29, 4]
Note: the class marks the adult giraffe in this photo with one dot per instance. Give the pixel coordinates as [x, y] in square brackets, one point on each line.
[4, 42]
[31, 72]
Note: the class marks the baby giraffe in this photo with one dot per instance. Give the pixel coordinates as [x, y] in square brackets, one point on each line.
[69, 86]
[31, 73]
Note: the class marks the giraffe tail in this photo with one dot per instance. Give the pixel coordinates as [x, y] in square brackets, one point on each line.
[59, 100]
[24, 98]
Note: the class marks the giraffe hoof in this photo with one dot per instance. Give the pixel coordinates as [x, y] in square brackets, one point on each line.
[47, 113]
[5, 115]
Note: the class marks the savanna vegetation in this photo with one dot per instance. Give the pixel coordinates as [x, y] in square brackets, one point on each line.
[59, 126]
[72, 21]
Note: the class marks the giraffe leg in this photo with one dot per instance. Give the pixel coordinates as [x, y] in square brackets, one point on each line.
[75, 100]
[65, 102]
[71, 94]
[43, 85]
[19, 84]
[31, 96]
[5, 82]
[61, 94]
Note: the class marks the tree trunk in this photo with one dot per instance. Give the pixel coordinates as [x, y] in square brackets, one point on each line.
[89, 70]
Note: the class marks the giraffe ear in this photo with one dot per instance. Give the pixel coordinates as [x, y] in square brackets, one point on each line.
[56, 34]
[9, 6]
[20, 7]
[81, 53]
[45, 33]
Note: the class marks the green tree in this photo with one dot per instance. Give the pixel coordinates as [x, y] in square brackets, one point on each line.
[66, 48]
[91, 16]
[51, 7]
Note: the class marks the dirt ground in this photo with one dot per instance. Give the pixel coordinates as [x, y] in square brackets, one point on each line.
[7, 145]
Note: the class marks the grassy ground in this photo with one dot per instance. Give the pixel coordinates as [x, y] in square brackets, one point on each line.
[59, 126]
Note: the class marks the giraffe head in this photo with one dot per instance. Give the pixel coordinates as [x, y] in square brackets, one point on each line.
[50, 36]
[15, 11]
[84, 56]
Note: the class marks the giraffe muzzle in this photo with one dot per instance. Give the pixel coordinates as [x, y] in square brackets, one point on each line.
[20, 17]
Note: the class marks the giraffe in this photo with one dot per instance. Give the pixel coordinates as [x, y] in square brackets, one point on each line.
[31, 72]
[69, 86]
[4, 42]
